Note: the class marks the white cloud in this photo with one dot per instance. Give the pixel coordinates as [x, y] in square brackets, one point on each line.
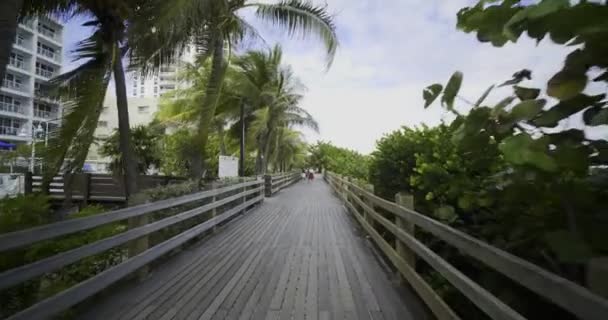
[390, 51]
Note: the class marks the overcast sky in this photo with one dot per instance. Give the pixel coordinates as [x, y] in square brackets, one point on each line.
[389, 51]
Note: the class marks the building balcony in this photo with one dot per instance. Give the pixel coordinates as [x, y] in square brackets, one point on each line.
[53, 37]
[44, 73]
[15, 86]
[49, 56]
[9, 131]
[45, 114]
[11, 108]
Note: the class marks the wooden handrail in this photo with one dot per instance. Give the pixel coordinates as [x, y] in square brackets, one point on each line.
[26, 237]
[83, 290]
[567, 294]
[277, 182]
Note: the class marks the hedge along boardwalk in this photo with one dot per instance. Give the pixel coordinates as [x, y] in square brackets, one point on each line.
[298, 256]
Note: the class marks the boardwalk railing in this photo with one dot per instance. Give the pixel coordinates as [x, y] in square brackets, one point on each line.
[277, 182]
[235, 197]
[95, 187]
[564, 293]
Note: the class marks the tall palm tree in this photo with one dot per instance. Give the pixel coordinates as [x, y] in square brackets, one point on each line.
[181, 107]
[281, 110]
[83, 89]
[289, 149]
[216, 24]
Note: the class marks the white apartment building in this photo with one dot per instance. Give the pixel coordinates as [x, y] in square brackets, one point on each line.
[166, 80]
[35, 58]
[141, 112]
[143, 97]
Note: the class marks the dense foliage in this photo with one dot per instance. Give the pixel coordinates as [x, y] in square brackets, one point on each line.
[511, 173]
[32, 210]
[325, 155]
[146, 141]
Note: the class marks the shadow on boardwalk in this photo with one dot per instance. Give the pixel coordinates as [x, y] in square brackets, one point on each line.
[298, 256]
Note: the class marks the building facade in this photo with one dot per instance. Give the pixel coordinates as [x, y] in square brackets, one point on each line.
[36, 57]
[166, 80]
[141, 112]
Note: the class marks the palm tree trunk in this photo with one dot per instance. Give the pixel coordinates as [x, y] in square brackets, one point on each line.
[209, 103]
[266, 152]
[129, 161]
[9, 15]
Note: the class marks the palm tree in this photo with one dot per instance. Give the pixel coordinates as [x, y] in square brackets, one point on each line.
[289, 149]
[181, 107]
[83, 89]
[282, 111]
[213, 25]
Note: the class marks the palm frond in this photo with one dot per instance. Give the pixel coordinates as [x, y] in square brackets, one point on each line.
[302, 19]
[82, 92]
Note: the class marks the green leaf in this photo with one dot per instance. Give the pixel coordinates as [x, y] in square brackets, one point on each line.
[526, 93]
[431, 93]
[568, 247]
[567, 84]
[446, 213]
[596, 116]
[451, 90]
[500, 107]
[566, 108]
[526, 110]
[484, 96]
[465, 202]
[523, 150]
[518, 77]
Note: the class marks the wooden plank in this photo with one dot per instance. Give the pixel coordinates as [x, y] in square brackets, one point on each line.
[567, 294]
[195, 269]
[25, 237]
[131, 300]
[101, 281]
[439, 308]
[200, 295]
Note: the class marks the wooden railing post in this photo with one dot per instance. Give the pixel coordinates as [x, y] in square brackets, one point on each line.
[28, 183]
[243, 180]
[369, 188]
[407, 201]
[597, 276]
[86, 188]
[268, 185]
[214, 210]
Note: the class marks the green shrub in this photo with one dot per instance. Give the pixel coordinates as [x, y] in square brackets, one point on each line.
[32, 210]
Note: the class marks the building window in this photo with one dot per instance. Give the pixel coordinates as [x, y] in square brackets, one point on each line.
[142, 81]
[42, 110]
[9, 126]
[11, 81]
[10, 104]
[46, 30]
[105, 109]
[19, 39]
[143, 109]
[46, 51]
[102, 124]
[16, 60]
[44, 70]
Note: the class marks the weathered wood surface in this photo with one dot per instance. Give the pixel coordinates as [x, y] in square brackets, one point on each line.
[298, 256]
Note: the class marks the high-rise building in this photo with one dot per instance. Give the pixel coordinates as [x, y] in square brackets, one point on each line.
[141, 112]
[166, 80]
[35, 58]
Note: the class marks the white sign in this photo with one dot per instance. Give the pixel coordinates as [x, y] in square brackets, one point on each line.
[228, 167]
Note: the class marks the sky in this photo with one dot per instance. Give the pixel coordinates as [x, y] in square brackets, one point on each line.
[389, 52]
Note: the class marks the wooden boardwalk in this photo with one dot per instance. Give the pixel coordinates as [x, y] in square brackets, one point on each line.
[298, 256]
